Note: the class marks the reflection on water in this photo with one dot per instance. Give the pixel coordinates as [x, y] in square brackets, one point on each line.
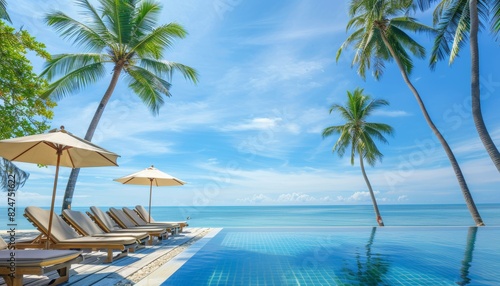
[466, 262]
[369, 268]
[346, 256]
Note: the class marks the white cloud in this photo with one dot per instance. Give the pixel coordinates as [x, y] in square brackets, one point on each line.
[402, 198]
[296, 197]
[254, 124]
[392, 113]
[286, 198]
[359, 197]
[255, 199]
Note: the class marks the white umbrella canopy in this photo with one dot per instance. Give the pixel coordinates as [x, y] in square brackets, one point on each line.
[43, 149]
[56, 148]
[150, 176]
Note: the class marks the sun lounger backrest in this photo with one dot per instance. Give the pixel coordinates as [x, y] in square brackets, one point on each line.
[134, 216]
[3, 244]
[82, 222]
[122, 217]
[103, 218]
[144, 213]
[60, 229]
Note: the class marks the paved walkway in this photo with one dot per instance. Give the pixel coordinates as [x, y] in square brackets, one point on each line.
[124, 271]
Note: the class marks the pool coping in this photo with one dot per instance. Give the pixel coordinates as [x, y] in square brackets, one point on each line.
[161, 274]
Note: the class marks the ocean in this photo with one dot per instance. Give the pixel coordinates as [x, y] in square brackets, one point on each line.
[297, 216]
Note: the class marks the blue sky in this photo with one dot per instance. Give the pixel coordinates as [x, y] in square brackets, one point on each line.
[250, 132]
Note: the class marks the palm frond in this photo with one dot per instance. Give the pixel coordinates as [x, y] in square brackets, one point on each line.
[149, 87]
[145, 18]
[495, 17]
[423, 5]
[79, 33]
[95, 21]
[461, 33]
[10, 172]
[119, 17]
[407, 42]
[353, 37]
[153, 44]
[66, 63]
[402, 54]
[410, 24]
[75, 80]
[3, 11]
[166, 69]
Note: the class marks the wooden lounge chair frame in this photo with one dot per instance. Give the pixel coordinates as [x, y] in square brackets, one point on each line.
[36, 262]
[139, 221]
[107, 223]
[78, 242]
[85, 226]
[124, 221]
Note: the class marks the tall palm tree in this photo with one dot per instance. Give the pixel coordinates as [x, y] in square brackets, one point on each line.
[357, 135]
[379, 37]
[454, 20]
[3, 11]
[123, 34]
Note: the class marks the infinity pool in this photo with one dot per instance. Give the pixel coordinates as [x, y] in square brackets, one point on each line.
[343, 256]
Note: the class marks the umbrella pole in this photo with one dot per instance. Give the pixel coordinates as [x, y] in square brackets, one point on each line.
[47, 244]
[150, 195]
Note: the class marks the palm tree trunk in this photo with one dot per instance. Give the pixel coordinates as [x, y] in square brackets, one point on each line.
[374, 201]
[475, 90]
[70, 187]
[454, 163]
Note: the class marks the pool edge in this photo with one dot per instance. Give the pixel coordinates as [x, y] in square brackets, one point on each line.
[161, 274]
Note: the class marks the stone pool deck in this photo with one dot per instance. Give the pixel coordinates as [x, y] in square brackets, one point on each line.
[124, 271]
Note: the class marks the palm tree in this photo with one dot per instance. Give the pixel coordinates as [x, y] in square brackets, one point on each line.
[453, 20]
[123, 34]
[357, 134]
[3, 11]
[379, 37]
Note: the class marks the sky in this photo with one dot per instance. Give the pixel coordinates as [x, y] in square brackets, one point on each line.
[249, 133]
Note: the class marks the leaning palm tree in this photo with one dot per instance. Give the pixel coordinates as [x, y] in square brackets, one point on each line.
[123, 34]
[454, 20]
[357, 135]
[380, 36]
[3, 11]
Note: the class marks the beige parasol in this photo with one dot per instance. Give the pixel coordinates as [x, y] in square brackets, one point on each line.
[56, 148]
[150, 176]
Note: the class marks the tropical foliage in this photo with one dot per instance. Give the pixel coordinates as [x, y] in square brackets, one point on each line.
[379, 36]
[357, 136]
[22, 111]
[125, 35]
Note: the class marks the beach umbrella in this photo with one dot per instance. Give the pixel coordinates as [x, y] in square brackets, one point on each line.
[56, 148]
[150, 176]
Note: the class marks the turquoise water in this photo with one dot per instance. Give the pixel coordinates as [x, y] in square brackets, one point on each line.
[346, 256]
[393, 215]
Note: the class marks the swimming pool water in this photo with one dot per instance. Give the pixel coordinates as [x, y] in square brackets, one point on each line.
[346, 256]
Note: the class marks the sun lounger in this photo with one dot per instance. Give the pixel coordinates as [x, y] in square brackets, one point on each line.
[145, 216]
[108, 224]
[14, 264]
[172, 227]
[65, 237]
[124, 220]
[87, 227]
